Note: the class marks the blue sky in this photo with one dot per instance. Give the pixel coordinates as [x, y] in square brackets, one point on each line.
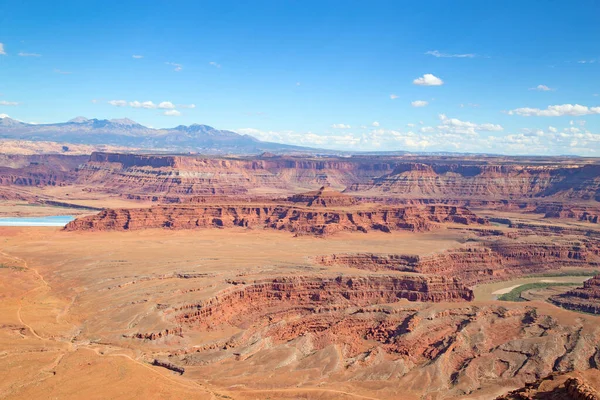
[336, 74]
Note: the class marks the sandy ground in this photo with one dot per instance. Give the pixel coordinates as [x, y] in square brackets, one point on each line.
[62, 318]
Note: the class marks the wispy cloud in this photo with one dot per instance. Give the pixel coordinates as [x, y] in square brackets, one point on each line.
[542, 88]
[393, 96]
[340, 126]
[419, 103]
[8, 103]
[214, 64]
[428, 80]
[178, 67]
[186, 105]
[375, 124]
[172, 113]
[2, 52]
[118, 103]
[23, 54]
[556, 111]
[58, 71]
[137, 56]
[438, 54]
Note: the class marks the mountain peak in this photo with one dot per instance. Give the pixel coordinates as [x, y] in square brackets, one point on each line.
[5, 120]
[124, 121]
[78, 120]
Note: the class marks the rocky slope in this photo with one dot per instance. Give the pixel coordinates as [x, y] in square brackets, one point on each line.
[299, 220]
[510, 181]
[191, 175]
[586, 298]
[451, 353]
[488, 261]
[556, 386]
[39, 170]
[314, 294]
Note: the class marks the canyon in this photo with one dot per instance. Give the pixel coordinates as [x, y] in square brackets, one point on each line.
[300, 276]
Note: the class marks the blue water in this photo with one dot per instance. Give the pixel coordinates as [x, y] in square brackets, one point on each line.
[57, 220]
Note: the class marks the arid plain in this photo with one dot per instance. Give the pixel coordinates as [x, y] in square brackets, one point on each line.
[289, 277]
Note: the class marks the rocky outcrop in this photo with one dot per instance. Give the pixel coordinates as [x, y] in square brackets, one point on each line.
[451, 353]
[195, 175]
[479, 263]
[562, 211]
[39, 170]
[308, 294]
[585, 299]
[300, 220]
[324, 197]
[554, 387]
[483, 180]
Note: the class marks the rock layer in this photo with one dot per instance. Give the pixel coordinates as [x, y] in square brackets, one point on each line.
[586, 298]
[479, 263]
[282, 217]
[313, 293]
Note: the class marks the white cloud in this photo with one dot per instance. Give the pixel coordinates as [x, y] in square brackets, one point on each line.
[23, 54]
[117, 103]
[393, 96]
[178, 67]
[186, 105]
[410, 125]
[145, 104]
[297, 83]
[137, 56]
[58, 71]
[542, 88]
[419, 103]
[340, 126]
[428, 80]
[437, 54]
[166, 105]
[4, 116]
[375, 124]
[214, 64]
[172, 113]
[556, 111]
[457, 126]
[552, 129]
[2, 52]
[8, 103]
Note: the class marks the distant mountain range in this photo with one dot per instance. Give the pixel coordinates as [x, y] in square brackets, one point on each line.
[128, 133]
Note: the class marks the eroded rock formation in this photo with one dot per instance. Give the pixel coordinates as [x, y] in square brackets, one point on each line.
[310, 294]
[324, 197]
[586, 298]
[482, 262]
[300, 220]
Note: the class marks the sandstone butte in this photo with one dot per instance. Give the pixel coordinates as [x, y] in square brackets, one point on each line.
[319, 221]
